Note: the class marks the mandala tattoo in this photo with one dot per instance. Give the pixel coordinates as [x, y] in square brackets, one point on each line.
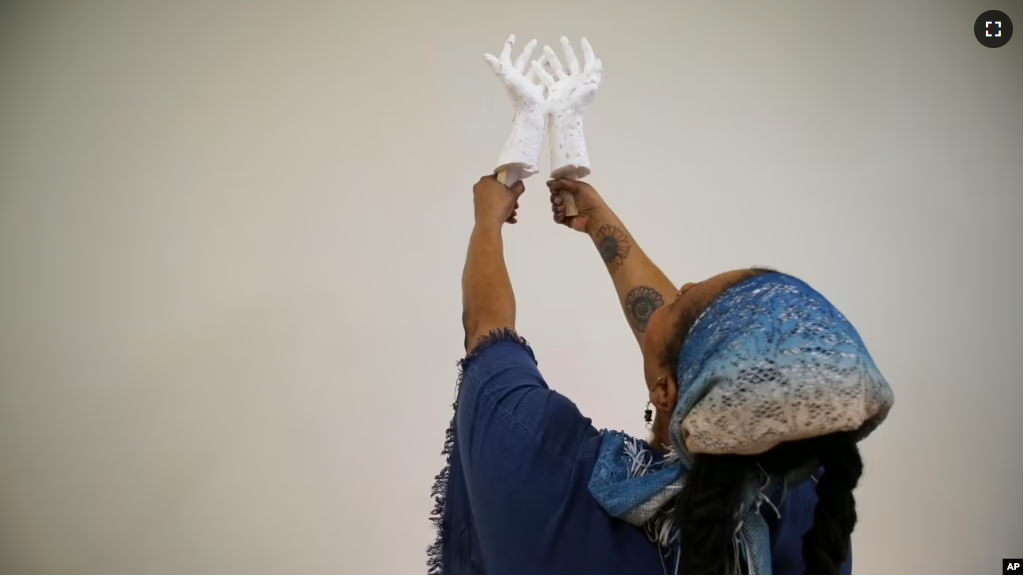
[640, 303]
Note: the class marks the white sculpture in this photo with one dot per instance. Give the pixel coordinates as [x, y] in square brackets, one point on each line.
[520, 157]
[569, 93]
[557, 103]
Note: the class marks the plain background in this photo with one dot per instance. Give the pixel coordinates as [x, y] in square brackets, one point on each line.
[232, 234]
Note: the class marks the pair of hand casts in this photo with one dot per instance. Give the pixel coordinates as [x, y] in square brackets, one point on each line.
[546, 95]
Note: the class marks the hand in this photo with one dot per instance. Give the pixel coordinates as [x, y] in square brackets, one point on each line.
[571, 90]
[494, 203]
[588, 203]
[520, 157]
[523, 89]
[568, 96]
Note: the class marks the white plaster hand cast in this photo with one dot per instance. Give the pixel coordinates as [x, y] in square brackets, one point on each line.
[547, 95]
[569, 93]
[520, 157]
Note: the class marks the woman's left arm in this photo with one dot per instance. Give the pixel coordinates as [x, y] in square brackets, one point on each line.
[488, 302]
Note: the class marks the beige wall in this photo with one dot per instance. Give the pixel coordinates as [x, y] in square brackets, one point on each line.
[231, 236]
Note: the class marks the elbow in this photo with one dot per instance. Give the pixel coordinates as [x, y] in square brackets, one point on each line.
[471, 326]
[478, 328]
[465, 330]
[480, 316]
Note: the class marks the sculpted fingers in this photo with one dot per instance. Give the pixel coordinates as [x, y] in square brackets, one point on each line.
[588, 54]
[506, 51]
[494, 63]
[531, 76]
[543, 74]
[524, 57]
[570, 56]
[554, 63]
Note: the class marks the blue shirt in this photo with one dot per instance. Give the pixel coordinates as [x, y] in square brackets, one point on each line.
[517, 496]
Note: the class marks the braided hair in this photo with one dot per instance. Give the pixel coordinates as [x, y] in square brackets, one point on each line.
[707, 508]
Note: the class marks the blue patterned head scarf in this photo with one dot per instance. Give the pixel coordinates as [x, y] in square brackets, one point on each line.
[770, 360]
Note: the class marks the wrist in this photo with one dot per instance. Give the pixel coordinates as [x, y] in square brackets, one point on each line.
[486, 226]
[599, 216]
[568, 144]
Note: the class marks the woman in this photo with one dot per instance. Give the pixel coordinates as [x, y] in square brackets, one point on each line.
[759, 390]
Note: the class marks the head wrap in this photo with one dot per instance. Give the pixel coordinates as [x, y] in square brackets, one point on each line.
[770, 360]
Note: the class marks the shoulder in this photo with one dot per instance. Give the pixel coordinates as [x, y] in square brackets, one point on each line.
[502, 394]
[499, 362]
[501, 347]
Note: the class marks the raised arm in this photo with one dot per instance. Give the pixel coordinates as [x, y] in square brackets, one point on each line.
[488, 302]
[641, 286]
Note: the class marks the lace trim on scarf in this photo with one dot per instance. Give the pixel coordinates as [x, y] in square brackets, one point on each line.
[439, 492]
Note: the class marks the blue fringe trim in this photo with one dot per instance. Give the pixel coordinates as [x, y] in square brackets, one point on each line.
[439, 492]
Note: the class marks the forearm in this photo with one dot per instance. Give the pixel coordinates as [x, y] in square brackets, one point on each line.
[641, 286]
[487, 298]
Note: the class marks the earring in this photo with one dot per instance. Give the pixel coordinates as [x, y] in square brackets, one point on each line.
[648, 415]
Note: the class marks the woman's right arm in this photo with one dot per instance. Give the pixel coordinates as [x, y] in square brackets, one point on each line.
[641, 286]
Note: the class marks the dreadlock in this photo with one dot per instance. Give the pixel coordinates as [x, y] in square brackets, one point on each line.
[707, 508]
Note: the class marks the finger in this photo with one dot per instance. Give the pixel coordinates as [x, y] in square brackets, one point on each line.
[494, 63]
[566, 185]
[541, 73]
[588, 54]
[556, 199]
[518, 188]
[531, 76]
[596, 70]
[524, 57]
[556, 64]
[570, 56]
[506, 51]
[545, 64]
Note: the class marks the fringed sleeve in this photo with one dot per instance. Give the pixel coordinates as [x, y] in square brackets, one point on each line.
[439, 491]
